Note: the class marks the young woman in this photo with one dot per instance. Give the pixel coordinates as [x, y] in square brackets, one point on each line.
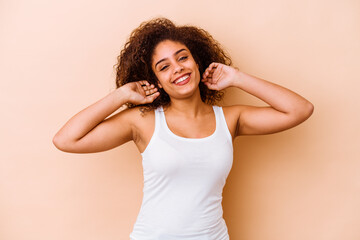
[170, 77]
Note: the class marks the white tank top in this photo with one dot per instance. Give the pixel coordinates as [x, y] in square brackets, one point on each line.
[183, 184]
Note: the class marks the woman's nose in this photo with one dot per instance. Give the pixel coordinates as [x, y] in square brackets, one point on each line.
[178, 68]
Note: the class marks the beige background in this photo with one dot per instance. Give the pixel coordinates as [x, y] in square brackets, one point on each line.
[57, 57]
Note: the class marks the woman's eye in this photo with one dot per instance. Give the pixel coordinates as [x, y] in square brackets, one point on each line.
[163, 67]
[183, 58]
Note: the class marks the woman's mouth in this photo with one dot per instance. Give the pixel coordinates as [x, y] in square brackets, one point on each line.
[182, 80]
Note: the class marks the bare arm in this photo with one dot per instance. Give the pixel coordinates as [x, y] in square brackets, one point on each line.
[90, 131]
[287, 109]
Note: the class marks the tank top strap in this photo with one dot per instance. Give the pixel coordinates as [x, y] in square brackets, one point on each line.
[160, 121]
[157, 129]
[221, 122]
[159, 115]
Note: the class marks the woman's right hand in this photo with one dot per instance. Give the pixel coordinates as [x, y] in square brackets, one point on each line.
[141, 92]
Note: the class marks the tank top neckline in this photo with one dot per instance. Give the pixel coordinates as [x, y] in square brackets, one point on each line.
[165, 125]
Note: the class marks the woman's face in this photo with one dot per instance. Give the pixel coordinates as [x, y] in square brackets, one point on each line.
[176, 70]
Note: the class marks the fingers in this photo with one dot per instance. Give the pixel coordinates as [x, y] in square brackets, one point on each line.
[213, 65]
[209, 71]
[151, 92]
[211, 86]
[208, 75]
[144, 83]
[152, 97]
[148, 88]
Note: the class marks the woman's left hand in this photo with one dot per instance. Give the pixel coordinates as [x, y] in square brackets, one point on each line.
[219, 76]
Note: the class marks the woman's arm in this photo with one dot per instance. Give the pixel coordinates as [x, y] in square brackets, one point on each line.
[287, 109]
[90, 131]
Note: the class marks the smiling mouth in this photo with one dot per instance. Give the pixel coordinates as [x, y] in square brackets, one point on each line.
[184, 79]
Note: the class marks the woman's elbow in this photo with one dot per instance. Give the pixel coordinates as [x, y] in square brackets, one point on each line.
[60, 143]
[57, 142]
[305, 111]
[309, 109]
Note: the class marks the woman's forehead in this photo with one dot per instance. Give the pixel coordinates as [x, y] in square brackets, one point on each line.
[167, 48]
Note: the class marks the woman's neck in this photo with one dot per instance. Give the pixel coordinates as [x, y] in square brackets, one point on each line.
[191, 107]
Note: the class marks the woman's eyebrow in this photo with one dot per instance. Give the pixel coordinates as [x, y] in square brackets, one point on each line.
[177, 52]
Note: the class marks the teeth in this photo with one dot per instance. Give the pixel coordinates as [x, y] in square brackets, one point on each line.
[181, 79]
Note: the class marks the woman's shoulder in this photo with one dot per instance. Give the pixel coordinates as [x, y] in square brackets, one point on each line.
[232, 109]
[235, 109]
[230, 112]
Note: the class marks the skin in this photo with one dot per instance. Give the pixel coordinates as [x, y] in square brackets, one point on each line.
[92, 130]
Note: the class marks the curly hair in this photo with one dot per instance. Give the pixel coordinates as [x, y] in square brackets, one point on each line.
[134, 61]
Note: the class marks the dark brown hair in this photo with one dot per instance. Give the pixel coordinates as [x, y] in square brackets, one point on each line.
[134, 61]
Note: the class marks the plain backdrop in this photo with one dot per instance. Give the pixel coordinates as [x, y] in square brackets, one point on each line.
[57, 57]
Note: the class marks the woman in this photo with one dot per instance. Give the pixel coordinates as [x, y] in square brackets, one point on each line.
[170, 78]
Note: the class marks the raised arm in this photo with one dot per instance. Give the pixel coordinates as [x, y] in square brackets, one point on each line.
[91, 130]
[286, 108]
